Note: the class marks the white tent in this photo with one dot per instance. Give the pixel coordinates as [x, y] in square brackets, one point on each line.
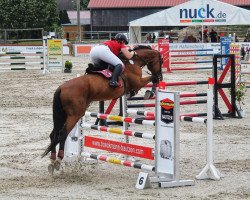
[192, 13]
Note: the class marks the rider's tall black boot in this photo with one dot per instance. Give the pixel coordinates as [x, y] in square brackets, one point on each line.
[116, 73]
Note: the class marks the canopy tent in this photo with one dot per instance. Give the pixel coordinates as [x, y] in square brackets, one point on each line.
[192, 13]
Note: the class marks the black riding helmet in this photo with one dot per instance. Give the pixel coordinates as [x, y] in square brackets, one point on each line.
[121, 37]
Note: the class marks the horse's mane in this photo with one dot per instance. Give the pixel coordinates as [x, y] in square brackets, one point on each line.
[142, 47]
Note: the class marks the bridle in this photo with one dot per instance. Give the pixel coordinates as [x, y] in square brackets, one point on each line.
[158, 75]
[145, 63]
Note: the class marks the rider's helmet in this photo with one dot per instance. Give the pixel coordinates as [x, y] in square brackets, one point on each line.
[121, 38]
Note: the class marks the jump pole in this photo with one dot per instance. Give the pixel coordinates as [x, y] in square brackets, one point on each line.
[209, 171]
[45, 59]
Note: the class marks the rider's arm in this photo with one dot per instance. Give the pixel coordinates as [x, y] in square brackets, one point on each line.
[128, 54]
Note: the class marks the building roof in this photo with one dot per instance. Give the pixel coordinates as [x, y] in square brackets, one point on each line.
[150, 3]
[84, 17]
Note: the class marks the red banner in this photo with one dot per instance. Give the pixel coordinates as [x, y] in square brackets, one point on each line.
[119, 147]
[163, 48]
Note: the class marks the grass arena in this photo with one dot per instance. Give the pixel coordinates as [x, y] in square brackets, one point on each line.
[26, 122]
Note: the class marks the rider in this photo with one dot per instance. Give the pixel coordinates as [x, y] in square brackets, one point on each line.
[108, 52]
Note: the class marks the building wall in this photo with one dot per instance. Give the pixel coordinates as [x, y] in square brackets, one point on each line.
[118, 17]
[70, 32]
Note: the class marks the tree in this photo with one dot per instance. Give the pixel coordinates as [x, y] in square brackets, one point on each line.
[28, 14]
[84, 4]
[64, 18]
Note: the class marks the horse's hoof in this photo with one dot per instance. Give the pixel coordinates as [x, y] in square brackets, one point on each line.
[51, 169]
[57, 164]
[53, 157]
[148, 94]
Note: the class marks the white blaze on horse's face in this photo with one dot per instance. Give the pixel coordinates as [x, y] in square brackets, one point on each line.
[131, 62]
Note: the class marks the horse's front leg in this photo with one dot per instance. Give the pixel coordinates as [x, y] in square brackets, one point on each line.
[143, 82]
[149, 94]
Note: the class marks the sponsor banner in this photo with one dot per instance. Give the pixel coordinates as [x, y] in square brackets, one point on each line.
[209, 48]
[225, 49]
[197, 12]
[163, 43]
[83, 50]
[203, 12]
[167, 110]
[165, 129]
[31, 49]
[119, 147]
[55, 53]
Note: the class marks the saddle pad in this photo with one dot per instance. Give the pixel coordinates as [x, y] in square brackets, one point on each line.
[106, 72]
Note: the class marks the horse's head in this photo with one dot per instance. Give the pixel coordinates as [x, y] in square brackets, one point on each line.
[146, 56]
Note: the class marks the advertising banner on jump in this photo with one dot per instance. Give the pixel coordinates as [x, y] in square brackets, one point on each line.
[55, 53]
[225, 49]
[165, 130]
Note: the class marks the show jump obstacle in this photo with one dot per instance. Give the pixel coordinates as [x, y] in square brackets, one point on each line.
[171, 65]
[165, 153]
[51, 56]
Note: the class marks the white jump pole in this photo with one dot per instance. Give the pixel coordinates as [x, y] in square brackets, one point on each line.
[45, 61]
[209, 171]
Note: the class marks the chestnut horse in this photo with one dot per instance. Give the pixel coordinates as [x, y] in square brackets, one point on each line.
[72, 98]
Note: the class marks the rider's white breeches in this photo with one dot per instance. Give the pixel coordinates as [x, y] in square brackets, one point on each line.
[102, 53]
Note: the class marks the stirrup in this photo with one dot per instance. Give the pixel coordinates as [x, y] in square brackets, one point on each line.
[113, 83]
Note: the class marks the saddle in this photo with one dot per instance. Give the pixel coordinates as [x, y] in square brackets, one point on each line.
[104, 69]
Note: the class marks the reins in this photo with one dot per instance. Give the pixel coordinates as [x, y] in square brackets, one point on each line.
[145, 63]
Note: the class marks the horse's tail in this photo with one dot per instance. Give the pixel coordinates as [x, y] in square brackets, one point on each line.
[59, 118]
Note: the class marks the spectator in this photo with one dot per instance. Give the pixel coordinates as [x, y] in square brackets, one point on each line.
[205, 34]
[213, 36]
[149, 38]
[185, 40]
[191, 39]
[171, 35]
[236, 38]
[161, 34]
[218, 38]
[153, 38]
[247, 38]
[200, 36]
[242, 53]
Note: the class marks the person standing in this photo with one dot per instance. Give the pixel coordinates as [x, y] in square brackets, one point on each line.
[205, 35]
[213, 36]
[153, 38]
[149, 38]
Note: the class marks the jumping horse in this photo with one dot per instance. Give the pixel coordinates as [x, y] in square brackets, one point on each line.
[72, 98]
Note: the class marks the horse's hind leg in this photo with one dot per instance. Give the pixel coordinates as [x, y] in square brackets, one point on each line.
[63, 136]
[51, 166]
[69, 125]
